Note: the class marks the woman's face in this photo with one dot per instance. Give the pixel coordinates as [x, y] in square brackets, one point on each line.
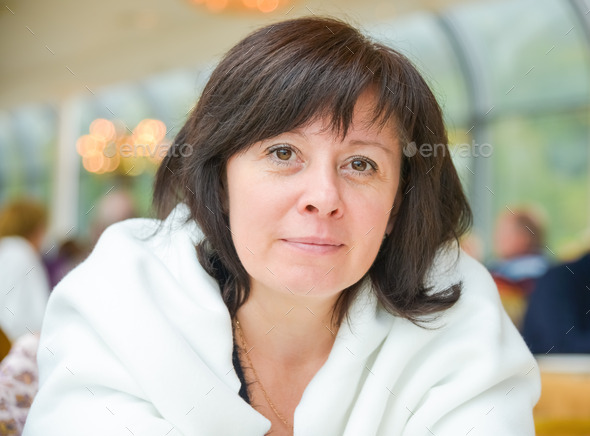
[308, 211]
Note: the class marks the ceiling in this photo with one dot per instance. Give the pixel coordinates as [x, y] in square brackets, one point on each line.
[60, 48]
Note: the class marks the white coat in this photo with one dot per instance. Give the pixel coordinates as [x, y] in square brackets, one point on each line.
[137, 341]
[24, 288]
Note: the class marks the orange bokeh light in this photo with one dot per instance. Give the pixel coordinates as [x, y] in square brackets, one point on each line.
[147, 137]
[216, 5]
[110, 148]
[267, 6]
[102, 129]
[89, 144]
[110, 164]
[93, 162]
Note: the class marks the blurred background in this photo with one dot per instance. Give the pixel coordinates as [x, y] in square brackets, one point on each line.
[512, 77]
[92, 93]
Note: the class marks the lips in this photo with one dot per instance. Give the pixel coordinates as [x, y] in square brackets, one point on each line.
[314, 241]
[314, 245]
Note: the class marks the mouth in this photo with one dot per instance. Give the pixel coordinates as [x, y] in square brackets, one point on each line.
[314, 245]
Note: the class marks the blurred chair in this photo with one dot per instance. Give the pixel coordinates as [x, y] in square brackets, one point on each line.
[514, 296]
[5, 345]
[564, 407]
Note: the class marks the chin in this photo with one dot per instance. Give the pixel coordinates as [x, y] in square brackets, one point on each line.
[315, 286]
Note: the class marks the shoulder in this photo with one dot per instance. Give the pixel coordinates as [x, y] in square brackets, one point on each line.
[17, 248]
[453, 266]
[570, 278]
[148, 231]
[127, 242]
[579, 268]
[131, 261]
[466, 359]
[476, 327]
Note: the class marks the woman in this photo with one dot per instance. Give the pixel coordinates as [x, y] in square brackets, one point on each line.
[24, 286]
[327, 295]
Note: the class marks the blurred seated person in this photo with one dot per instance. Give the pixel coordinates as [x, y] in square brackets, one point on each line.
[117, 205]
[70, 253]
[24, 288]
[472, 244]
[519, 239]
[557, 318]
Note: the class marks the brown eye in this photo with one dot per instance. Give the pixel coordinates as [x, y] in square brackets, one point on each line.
[284, 153]
[359, 165]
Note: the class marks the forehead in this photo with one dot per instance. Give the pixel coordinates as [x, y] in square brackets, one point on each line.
[366, 123]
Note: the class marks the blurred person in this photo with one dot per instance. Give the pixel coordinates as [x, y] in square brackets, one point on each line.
[472, 244]
[69, 254]
[304, 276]
[24, 286]
[519, 241]
[557, 318]
[117, 205]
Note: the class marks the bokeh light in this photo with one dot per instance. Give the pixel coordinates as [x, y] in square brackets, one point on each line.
[110, 148]
[264, 6]
[267, 6]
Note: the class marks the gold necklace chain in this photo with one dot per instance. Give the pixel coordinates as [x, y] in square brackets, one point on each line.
[257, 379]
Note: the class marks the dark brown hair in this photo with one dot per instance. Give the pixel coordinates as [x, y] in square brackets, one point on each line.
[286, 75]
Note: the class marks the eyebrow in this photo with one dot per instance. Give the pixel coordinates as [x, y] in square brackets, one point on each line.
[371, 143]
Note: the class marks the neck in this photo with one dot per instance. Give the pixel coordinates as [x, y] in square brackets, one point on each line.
[288, 330]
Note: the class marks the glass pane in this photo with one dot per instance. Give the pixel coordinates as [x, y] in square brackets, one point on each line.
[166, 98]
[420, 38]
[545, 161]
[27, 152]
[529, 52]
[173, 95]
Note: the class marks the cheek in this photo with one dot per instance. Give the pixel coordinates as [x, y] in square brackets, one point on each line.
[254, 206]
[371, 222]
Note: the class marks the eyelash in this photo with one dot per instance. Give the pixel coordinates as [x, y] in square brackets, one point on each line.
[272, 150]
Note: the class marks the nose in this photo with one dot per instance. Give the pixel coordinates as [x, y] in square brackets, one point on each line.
[321, 194]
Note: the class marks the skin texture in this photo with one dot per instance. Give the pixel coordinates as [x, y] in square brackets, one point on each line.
[308, 213]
